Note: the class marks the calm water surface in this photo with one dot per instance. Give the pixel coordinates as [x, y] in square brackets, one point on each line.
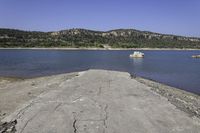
[175, 68]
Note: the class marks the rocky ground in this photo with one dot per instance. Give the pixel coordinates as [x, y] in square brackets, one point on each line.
[185, 101]
[95, 101]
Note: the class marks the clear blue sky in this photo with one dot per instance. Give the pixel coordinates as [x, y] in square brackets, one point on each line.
[180, 17]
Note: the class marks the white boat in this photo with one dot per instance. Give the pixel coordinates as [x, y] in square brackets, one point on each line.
[137, 54]
[196, 56]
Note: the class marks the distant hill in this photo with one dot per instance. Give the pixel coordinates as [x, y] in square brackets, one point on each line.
[120, 38]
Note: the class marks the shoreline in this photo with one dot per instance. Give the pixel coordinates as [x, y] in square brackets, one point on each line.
[66, 48]
[186, 101]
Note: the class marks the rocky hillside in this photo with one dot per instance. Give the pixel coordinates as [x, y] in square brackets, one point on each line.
[120, 38]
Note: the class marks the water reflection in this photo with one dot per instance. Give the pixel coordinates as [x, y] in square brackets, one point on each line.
[137, 61]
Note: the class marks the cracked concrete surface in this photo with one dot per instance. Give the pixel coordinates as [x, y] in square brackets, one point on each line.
[100, 101]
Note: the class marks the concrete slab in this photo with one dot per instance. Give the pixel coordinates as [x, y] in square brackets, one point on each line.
[100, 101]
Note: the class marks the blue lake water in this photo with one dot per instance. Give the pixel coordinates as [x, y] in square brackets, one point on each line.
[174, 68]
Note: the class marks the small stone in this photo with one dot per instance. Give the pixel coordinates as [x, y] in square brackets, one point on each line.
[9, 130]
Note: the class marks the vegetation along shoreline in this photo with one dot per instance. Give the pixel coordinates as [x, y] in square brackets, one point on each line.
[84, 38]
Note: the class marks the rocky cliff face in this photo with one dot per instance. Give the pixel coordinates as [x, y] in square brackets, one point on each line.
[125, 33]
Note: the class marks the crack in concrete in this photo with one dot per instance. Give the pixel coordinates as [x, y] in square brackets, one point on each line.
[28, 122]
[109, 83]
[76, 99]
[74, 123]
[57, 106]
[99, 91]
[106, 118]
[23, 110]
[109, 80]
[93, 120]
